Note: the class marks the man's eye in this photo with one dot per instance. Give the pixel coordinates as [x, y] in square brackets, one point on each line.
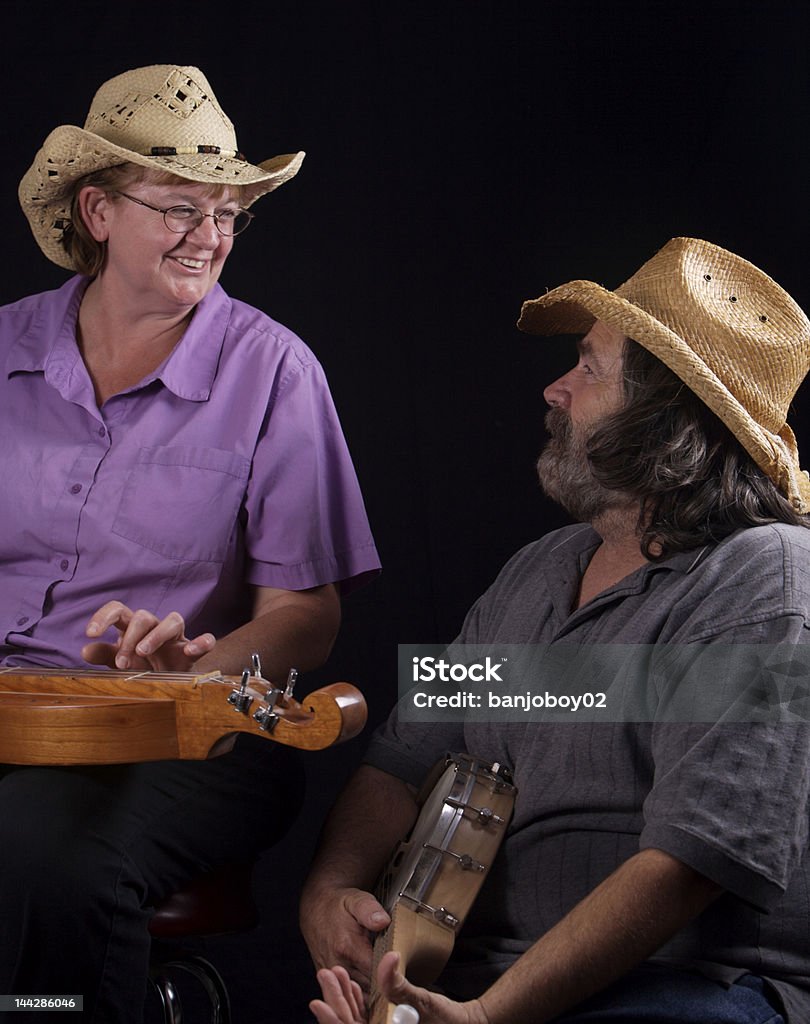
[183, 212]
[228, 214]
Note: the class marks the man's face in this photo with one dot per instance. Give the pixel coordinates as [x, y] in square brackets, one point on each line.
[593, 388]
[580, 400]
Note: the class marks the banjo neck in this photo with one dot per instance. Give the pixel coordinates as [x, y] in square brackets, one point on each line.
[436, 873]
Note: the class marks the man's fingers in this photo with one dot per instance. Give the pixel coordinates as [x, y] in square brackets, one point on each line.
[365, 909]
[323, 1013]
[398, 990]
[421, 1004]
[342, 996]
[354, 997]
[391, 980]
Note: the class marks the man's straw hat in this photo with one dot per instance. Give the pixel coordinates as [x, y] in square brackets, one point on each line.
[730, 333]
[164, 117]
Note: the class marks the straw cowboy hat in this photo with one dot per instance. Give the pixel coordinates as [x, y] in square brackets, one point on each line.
[730, 333]
[164, 117]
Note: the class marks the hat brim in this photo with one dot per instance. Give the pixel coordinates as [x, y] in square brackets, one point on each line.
[574, 307]
[69, 153]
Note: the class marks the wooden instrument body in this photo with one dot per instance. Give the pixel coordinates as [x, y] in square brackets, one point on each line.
[435, 875]
[75, 717]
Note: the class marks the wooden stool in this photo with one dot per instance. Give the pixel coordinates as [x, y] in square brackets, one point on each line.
[216, 903]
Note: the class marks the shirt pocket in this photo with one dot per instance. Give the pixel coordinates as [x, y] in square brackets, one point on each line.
[182, 501]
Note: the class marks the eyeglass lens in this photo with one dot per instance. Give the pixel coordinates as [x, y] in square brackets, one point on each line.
[186, 218]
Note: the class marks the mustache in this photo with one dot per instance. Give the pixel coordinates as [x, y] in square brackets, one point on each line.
[558, 424]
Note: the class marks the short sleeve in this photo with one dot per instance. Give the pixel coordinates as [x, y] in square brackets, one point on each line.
[732, 802]
[730, 794]
[306, 523]
[409, 751]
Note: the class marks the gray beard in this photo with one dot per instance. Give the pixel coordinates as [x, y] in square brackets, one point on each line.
[565, 472]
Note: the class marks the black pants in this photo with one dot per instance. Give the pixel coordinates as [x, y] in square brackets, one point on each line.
[87, 853]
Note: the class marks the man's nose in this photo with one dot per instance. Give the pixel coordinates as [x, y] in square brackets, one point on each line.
[558, 393]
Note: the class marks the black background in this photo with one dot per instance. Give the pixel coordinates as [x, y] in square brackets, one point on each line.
[463, 155]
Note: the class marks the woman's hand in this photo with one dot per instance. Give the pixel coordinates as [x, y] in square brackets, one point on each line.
[342, 1001]
[146, 643]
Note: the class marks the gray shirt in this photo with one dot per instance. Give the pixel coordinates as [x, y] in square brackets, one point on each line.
[728, 797]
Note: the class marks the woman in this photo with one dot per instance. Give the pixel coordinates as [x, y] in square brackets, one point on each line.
[182, 497]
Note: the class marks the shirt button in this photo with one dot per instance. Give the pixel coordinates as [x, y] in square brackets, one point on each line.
[102, 431]
[22, 620]
[75, 488]
[63, 565]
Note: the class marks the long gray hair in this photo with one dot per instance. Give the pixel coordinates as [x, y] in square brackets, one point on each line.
[694, 481]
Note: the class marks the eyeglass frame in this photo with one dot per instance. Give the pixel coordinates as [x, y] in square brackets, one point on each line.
[190, 206]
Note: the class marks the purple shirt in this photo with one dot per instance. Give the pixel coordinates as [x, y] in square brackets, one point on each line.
[225, 466]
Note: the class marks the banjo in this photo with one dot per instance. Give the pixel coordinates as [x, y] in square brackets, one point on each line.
[436, 873]
[48, 716]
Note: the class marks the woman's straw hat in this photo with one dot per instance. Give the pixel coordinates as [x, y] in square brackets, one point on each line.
[730, 333]
[164, 117]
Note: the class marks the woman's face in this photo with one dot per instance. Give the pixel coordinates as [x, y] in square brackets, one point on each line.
[160, 270]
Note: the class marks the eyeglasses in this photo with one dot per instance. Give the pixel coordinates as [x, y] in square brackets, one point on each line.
[181, 219]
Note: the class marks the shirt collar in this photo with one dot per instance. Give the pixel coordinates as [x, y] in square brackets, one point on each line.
[683, 561]
[50, 335]
[49, 343]
[191, 367]
[584, 540]
[569, 559]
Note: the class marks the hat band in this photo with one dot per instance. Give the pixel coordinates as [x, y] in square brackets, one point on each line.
[232, 154]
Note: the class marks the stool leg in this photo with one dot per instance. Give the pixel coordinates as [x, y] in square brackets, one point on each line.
[169, 1000]
[211, 980]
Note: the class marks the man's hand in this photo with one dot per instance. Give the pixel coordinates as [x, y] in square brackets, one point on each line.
[145, 643]
[338, 913]
[342, 1001]
[336, 926]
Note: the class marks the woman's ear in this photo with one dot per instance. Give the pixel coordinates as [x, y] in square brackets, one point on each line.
[94, 208]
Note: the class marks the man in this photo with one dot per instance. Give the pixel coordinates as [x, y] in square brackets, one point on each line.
[656, 869]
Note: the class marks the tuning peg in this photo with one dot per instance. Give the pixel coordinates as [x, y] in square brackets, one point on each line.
[265, 717]
[240, 698]
[292, 678]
